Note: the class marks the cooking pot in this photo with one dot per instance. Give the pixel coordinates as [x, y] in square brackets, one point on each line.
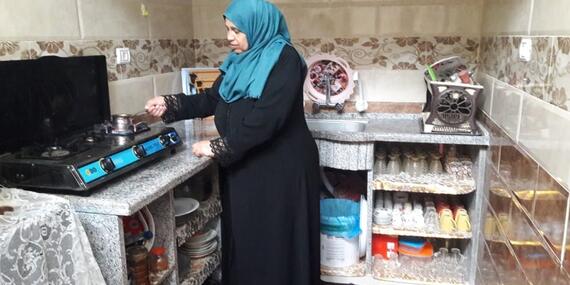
[122, 123]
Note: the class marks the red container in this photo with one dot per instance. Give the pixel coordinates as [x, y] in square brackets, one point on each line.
[384, 244]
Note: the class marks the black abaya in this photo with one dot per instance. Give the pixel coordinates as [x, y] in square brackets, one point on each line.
[270, 179]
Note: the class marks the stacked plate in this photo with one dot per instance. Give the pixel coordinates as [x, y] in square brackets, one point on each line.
[201, 245]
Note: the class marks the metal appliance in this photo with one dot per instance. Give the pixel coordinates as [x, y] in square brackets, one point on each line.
[451, 102]
[57, 131]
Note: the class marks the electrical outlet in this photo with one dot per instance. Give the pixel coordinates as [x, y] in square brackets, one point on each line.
[123, 55]
[525, 49]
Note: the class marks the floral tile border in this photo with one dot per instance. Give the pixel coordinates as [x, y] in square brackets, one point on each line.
[393, 53]
[561, 74]
[500, 58]
[147, 56]
[546, 76]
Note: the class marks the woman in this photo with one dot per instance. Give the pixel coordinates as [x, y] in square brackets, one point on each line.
[270, 173]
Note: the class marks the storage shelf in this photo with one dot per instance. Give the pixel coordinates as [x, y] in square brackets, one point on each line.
[430, 183]
[208, 210]
[356, 270]
[415, 282]
[396, 276]
[163, 275]
[376, 229]
[201, 269]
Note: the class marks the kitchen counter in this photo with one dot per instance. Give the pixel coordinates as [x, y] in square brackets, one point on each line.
[394, 127]
[126, 195]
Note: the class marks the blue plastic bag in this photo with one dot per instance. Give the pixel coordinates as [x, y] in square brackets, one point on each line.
[340, 218]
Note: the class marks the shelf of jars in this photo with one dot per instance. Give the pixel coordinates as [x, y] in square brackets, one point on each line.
[389, 230]
[356, 270]
[188, 227]
[201, 269]
[446, 269]
[443, 183]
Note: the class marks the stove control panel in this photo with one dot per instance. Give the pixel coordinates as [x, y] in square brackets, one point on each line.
[121, 159]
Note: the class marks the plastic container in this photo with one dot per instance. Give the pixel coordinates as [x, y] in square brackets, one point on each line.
[340, 227]
[340, 218]
[157, 260]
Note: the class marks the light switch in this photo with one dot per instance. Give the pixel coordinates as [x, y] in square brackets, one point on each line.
[123, 55]
[525, 49]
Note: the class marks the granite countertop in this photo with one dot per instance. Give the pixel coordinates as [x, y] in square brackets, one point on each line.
[126, 195]
[394, 127]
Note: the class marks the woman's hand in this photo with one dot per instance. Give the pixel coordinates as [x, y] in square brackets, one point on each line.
[202, 148]
[155, 106]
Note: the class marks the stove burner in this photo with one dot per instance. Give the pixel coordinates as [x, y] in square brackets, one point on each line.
[55, 152]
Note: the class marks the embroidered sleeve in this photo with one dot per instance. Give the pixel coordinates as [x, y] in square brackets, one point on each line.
[222, 151]
[173, 108]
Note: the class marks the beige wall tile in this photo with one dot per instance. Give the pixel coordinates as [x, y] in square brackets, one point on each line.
[403, 86]
[325, 21]
[430, 19]
[550, 17]
[170, 21]
[167, 83]
[544, 132]
[207, 19]
[505, 110]
[33, 20]
[130, 95]
[510, 17]
[110, 19]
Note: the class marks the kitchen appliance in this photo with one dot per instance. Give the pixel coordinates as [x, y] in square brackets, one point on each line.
[451, 98]
[57, 131]
[329, 82]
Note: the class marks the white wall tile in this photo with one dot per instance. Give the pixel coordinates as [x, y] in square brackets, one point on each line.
[326, 21]
[430, 19]
[170, 21]
[38, 20]
[485, 97]
[507, 102]
[544, 133]
[110, 19]
[208, 20]
[550, 17]
[507, 17]
[167, 83]
[130, 95]
[402, 86]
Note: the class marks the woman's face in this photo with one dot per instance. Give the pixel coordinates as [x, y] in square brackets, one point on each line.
[237, 39]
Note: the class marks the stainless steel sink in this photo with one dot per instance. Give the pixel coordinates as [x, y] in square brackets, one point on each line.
[330, 125]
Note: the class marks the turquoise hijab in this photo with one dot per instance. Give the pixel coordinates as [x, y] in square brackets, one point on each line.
[245, 74]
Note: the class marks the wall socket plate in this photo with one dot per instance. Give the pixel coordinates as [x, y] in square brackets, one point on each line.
[525, 49]
[123, 55]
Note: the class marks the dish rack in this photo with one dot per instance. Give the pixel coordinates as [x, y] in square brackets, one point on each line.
[452, 105]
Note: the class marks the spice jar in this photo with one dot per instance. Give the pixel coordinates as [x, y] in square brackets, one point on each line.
[157, 260]
[137, 257]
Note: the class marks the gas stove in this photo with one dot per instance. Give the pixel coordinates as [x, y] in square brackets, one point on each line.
[84, 161]
[57, 132]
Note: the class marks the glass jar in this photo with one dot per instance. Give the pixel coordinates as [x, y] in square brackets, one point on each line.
[157, 260]
[380, 164]
[393, 164]
[137, 264]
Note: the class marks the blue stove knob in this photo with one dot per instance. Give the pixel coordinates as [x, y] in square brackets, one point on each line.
[107, 164]
[164, 140]
[174, 138]
[139, 151]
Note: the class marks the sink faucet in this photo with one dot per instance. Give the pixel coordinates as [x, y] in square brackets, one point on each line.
[339, 107]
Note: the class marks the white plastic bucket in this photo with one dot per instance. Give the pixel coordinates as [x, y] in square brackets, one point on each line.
[338, 251]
